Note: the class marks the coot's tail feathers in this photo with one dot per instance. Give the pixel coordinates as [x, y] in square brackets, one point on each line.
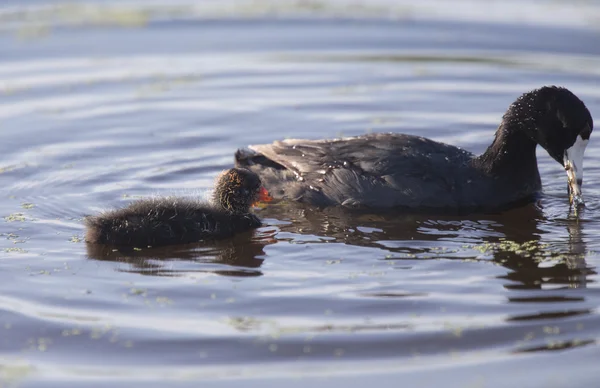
[245, 157]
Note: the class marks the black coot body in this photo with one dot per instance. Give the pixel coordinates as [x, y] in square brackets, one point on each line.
[390, 170]
[172, 220]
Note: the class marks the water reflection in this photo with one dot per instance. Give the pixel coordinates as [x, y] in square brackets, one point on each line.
[540, 266]
[561, 345]
[577, 249]
[513, 239]
[241, 253]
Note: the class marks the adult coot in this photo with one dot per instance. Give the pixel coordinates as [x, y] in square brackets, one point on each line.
[174, 220]
[397, 170]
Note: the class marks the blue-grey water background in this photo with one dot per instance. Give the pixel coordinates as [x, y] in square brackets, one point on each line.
[105, 102]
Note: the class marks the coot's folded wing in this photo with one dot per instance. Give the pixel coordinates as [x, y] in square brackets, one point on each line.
[376, 169]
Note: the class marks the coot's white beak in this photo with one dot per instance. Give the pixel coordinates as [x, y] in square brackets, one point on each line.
[573, 162]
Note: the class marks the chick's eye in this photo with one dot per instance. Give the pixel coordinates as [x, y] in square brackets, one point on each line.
[245, 191]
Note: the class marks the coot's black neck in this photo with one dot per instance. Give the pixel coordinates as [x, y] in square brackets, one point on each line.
[511, 155]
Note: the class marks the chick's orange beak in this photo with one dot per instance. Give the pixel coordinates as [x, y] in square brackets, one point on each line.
[263, 195]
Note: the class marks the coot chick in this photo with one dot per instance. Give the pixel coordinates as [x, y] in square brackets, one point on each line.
[174, 220]
[389, 170]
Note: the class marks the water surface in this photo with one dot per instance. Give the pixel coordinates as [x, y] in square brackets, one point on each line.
[102, 104]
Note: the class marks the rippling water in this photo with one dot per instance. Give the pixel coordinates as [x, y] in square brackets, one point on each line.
[101, 104]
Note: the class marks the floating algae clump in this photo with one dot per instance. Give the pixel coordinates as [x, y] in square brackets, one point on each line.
[504, 249]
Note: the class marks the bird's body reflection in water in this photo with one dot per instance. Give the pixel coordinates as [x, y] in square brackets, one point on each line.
[515, 239]
[239, 256]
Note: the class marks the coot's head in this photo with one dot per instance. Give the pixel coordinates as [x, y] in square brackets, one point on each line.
[237, 189]
[559, 121]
